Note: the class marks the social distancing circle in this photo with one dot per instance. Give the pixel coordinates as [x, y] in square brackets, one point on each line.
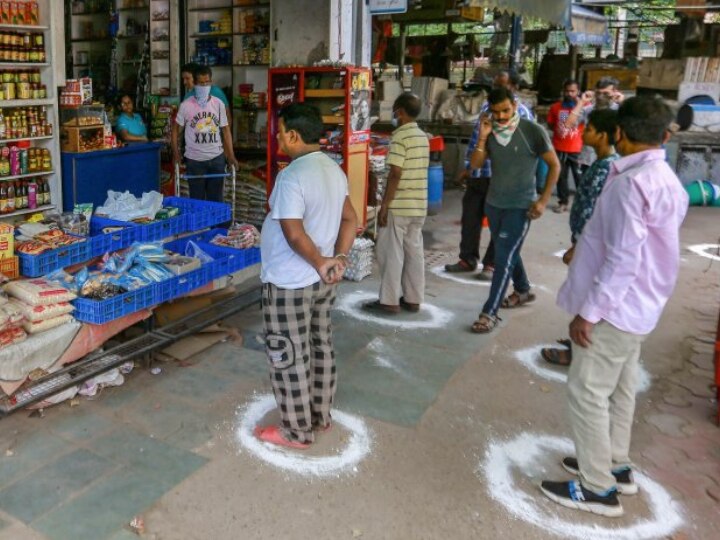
[430, 316]
[345, 462]
[526, 456]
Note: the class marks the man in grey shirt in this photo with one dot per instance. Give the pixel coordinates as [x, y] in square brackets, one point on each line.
[514, 145]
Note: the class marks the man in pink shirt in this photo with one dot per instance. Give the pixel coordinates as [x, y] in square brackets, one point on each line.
[623, 272]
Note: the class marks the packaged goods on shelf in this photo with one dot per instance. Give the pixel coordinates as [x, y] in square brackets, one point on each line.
[38, 292]
[360, 260]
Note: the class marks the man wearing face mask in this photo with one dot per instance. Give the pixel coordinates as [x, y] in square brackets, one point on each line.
[567, 140]
[208, 140]
[187, 75]
[514, 145]
[605, 96]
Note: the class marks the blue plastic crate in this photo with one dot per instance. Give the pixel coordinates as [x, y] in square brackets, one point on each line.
[44, 263]
[101, 243]
[103, 311]
[200, 214]
[242, 257]
[146, 232]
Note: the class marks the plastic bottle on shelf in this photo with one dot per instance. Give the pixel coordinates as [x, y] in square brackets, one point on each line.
[14, 161]
[3, 130]
[24, 193]
[10, 197]
[3, 198]
[32, 195]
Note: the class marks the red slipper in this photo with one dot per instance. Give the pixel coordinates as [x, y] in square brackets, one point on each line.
[273, 435]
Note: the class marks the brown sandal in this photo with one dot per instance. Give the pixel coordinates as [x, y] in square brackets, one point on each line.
[517, 299]
[485, 324]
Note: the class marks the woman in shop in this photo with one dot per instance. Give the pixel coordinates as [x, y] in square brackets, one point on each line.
[130, 127]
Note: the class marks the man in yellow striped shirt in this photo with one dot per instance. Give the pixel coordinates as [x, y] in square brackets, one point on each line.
[402, 213]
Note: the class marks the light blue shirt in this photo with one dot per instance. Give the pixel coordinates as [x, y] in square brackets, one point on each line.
[214, 91]
[134, 126]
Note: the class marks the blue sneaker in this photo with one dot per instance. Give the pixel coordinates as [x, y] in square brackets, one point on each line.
[624, 477]
[573, 495]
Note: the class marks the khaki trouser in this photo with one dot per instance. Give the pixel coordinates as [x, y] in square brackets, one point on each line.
[602, 382]
[401, 259]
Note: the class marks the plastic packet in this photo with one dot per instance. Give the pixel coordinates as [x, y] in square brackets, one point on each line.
[193, 250]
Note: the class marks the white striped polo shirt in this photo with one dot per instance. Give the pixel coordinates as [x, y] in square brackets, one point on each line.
[410, 150]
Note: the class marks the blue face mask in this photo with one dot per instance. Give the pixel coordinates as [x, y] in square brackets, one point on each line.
[202, 94]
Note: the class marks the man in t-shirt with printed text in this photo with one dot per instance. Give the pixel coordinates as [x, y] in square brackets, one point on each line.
[208, 139]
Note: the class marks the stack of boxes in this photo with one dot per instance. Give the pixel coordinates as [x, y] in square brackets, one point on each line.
[387, 92]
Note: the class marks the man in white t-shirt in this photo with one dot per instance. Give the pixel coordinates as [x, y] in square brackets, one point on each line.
[208, 139]
[304, 244]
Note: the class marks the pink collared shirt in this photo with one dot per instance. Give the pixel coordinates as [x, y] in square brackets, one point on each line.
[626, 259]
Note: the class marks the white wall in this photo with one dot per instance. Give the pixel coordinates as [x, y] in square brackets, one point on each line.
[312, 30]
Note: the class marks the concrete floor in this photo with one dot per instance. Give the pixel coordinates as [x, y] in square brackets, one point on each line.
[436, 402]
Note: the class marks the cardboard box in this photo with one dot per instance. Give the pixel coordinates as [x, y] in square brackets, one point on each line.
[388, 90]
[82, 139]
[7, 241]
[385, 111]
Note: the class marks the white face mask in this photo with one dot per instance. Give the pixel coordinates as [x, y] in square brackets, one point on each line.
[394, 121]
[202, 94]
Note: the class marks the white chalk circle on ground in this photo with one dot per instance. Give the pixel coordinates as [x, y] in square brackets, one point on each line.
[430, 316]
[466, 278]
[532, 359]
[357, 448]
[704, 251]
[524, 453]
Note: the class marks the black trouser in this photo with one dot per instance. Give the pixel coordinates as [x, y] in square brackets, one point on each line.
[473, 211]
[206, 189]
[568, 162]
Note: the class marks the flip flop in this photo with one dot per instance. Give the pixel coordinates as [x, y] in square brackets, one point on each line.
[273, 435]
[554, 356]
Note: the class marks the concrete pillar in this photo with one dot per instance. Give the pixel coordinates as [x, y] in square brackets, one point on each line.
[305, 31]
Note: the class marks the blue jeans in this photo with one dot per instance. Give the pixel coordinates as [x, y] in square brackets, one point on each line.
[508, 227]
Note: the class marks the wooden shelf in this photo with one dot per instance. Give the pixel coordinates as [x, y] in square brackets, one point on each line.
[333, 120]
[12, 103]
[28, 175]
[43, 138]
[23, 27]
[210, 35]
[325, 93]
[29, 210]
[90, 39]
[6, 65]
[218, 8]
[251, 65]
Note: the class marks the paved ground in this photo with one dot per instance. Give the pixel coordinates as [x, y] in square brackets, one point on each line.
[436, 401]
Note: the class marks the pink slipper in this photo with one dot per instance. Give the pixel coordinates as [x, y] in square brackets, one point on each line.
[273, 435]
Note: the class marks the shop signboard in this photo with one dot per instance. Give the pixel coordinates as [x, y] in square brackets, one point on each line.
[385, 7]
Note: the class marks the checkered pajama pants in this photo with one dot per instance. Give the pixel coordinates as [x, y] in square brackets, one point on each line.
[298, 342]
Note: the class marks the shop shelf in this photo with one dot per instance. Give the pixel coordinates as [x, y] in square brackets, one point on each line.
[6, 65]
[325, 93]
[28, 175]
[44, 263]
[200, 214]
[23, 27]
[30, 210]
[43, 138]
[14, 103]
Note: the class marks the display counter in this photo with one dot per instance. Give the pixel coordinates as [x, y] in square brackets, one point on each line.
[87, 176]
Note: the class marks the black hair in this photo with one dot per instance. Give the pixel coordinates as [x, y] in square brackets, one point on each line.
[604, 121]
[305, 120]
[124, 95]
[569, 82]
[604, 82]
[645, 119]
[190, 67]
[498, 95]
[512, 75]
[202, 70]
[409, 103]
